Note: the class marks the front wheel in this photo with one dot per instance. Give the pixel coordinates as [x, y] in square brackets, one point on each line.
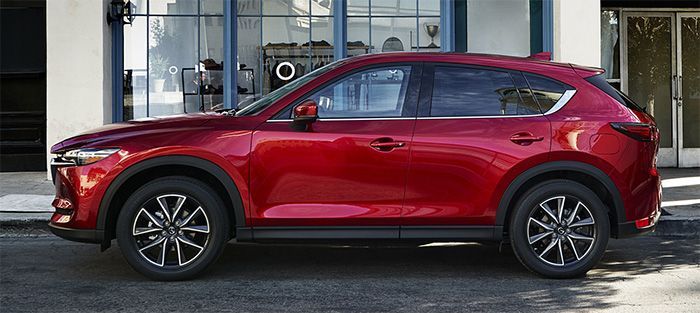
[560, 229]
[172, 228]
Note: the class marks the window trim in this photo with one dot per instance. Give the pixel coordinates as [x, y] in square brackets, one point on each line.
[557, 105]
[563, 100]
[426, 101]
[409, 103]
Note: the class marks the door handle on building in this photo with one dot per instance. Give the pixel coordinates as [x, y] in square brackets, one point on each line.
[679, 90]
[674, 81]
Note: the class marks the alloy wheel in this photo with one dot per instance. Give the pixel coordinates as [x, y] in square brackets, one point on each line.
[561, 230]
[171, 230]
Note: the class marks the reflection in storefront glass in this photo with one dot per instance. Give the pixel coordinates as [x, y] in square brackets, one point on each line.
[610, 44]
[173, 58]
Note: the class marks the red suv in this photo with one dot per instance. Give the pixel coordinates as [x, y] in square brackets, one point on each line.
[417, 147]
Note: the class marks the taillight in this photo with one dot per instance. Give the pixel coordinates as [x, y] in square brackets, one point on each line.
[638, 131]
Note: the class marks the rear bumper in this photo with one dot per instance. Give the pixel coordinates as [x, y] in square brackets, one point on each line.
[79, 235]
[638, 227]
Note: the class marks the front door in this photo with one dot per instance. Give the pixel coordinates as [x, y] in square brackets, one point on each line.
[661, 70]
[349, 167]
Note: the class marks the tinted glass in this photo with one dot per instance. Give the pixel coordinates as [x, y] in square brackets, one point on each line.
[530, 105]
[600, 82]
[459, 91]
[547, 91]
[372, 93]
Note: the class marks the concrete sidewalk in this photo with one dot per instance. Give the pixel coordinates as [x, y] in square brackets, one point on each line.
[27, 196]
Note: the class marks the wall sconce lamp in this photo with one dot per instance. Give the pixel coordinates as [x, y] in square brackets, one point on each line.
[121, 11]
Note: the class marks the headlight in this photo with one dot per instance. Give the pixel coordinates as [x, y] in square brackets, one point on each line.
[87, 156]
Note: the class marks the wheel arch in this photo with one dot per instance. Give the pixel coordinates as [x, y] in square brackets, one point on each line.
[587, 174]
[183, 165]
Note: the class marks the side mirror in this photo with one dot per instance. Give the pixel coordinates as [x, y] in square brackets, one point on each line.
[304, 115]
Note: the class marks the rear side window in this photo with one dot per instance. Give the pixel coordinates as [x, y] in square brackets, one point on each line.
[546, 91]
[600, 82]
[460, 91]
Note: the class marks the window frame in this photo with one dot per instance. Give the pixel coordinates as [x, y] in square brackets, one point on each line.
[426, 94]
[410, 104]
[568, 93]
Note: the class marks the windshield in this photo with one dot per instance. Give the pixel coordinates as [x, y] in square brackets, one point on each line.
[270, 98]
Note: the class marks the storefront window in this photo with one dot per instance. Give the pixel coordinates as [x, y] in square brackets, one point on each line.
[173, 58]
[279, 41]
[610, 46]
[499, 26]
[393, 25]
[174, 49]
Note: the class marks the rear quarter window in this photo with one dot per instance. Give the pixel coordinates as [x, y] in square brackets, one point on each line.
[600, 83]
[547, 91]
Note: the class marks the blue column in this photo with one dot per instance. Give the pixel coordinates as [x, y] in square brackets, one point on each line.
[548, 26]
[447, 25]
[117, 71]
[230, 53]
[340, 33]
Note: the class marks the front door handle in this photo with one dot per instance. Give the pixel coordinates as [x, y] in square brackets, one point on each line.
[386, 144]
[525, 138]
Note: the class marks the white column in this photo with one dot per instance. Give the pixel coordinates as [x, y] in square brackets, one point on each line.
[577, 32]
[78, 72]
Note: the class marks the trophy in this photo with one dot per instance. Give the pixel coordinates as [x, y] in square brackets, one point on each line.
[432, 31]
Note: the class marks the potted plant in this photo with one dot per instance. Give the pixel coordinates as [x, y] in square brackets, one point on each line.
[158, 61]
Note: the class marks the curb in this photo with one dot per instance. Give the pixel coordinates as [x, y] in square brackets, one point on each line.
[685, 227]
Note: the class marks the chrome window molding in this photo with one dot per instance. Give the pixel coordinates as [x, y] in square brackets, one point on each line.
[557, 106]
[475, 117]
[562, 102]
[351, 119]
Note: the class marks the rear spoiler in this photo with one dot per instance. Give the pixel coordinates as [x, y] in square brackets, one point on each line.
[586, 71]
[544, 56]
[583, 71]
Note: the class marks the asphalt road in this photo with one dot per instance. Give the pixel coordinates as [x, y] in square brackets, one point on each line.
[46, 274]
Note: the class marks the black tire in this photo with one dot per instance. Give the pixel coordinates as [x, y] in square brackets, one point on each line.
[564, 261]
[207, 228]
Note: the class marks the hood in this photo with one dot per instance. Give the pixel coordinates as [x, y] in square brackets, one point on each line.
[134, 127]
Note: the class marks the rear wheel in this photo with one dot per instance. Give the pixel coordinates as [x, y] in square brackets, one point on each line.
[559, 229]
[172, 228]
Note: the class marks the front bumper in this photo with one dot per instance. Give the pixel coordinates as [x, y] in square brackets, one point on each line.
[80, 235]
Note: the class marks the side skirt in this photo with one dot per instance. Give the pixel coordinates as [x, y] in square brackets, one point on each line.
[341, 233]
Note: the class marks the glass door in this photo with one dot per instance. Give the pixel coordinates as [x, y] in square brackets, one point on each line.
[688, 88]
[648, 71]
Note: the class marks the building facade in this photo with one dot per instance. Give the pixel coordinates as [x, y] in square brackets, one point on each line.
[162, 57]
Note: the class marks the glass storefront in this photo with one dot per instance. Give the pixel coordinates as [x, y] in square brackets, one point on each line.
[173, 57]
[281, 40]
[174, 49]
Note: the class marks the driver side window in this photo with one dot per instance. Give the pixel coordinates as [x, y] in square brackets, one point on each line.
[378, 92]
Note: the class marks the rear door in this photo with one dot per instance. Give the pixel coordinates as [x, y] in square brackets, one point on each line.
[349, 168]
[474, 124]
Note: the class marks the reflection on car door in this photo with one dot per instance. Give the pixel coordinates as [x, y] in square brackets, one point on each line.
[350, 167]
[475, 126]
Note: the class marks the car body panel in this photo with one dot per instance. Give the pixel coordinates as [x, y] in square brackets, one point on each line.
[456, 165]
[328, 175]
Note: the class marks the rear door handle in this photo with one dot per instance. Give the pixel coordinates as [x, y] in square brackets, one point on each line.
[386, 144]
[525, 138]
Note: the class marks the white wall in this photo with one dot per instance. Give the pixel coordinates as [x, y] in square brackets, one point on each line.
[78, 68]
[577, 32]
[499, 26]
